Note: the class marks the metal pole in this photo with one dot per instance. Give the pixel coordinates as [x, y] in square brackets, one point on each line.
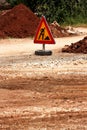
[43, 47]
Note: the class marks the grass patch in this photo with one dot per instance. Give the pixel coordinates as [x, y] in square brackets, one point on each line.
[77, 21]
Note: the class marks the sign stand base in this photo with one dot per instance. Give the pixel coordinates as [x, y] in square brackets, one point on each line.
[43, 52]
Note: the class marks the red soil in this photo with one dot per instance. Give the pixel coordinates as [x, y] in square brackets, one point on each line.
[78, 47]
[19, 22]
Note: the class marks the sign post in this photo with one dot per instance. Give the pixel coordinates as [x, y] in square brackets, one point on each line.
[43, 36]
[43, 47]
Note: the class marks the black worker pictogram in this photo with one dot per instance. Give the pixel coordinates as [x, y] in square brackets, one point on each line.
[42, 33]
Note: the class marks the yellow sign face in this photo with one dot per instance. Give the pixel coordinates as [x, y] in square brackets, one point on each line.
[43, 34]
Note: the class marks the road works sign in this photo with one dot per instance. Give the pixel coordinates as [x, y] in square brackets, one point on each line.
[43, 34]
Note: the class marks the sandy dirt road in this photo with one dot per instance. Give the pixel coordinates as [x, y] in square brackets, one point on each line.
[11, 46]
[42, 93]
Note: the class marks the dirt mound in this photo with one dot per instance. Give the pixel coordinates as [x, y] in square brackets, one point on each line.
[19, 22]
[2, 35]
[57, 30]
[78, 47]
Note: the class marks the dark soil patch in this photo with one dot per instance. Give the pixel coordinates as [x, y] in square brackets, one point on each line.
[78, 47]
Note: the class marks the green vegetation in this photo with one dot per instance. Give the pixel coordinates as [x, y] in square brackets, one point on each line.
[63, 11]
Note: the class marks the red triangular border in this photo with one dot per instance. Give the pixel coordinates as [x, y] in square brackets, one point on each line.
[52, 41]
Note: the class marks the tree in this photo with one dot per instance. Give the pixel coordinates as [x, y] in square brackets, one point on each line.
[59, 10]
[47, 9]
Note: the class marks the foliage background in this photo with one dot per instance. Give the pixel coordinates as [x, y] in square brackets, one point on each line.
[63, 11]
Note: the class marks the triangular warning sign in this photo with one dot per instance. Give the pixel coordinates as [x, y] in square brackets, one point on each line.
[43, 33]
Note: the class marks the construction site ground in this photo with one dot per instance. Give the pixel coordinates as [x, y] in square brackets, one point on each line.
[42, 92]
